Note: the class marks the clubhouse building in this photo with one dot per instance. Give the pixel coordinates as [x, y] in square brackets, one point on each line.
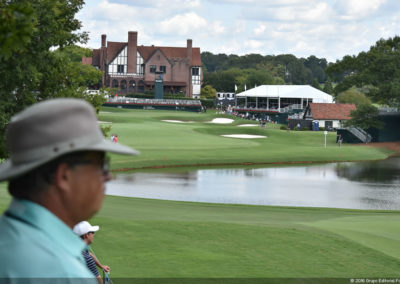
[132, 68]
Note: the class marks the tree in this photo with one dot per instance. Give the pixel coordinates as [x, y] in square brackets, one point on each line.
[328, 88]
[317, 67]
[353, 96]
[29, 67]
[315, 84]
[208, 92]
[258, 78]
[365, 117]
[378, 68]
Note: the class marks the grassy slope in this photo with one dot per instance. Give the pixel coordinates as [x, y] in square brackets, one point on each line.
[163, 144]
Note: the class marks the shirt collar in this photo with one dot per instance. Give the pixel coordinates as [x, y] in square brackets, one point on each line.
[41, 218]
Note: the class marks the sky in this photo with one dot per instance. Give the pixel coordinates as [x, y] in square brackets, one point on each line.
[327, 29]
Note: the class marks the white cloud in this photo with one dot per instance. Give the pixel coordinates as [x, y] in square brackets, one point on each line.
[357, 9]
[325, 28]
[190, 24]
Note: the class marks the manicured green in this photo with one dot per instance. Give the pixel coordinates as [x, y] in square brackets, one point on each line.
[200, 142]
[153, 238]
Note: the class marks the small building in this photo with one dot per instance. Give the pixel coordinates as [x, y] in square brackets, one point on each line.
[132, 68]
[328, 115]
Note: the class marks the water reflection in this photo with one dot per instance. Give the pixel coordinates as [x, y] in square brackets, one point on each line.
[387, 171]
[372, 185]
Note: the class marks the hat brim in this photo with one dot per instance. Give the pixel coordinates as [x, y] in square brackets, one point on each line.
[95, 228]
[9, 171]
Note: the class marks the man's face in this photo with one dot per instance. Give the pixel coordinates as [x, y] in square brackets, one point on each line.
[88, 185]
[89, 238]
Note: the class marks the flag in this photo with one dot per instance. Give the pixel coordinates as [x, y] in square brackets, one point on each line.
[235, 88]
[245, 88]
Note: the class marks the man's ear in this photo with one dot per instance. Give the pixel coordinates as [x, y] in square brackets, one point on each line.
[63, 177]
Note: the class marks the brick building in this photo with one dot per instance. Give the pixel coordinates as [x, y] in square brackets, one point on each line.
[130, 67]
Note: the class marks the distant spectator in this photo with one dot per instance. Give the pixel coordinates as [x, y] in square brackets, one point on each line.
[86, 232]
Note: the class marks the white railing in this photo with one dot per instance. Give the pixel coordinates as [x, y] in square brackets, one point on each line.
[360, 134]
[124, 100]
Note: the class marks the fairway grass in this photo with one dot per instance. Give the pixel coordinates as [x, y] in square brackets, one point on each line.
[145, 238]
[154, 238]
[199, 143]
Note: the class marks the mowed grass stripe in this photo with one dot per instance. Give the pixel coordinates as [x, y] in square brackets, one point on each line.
[381, 233]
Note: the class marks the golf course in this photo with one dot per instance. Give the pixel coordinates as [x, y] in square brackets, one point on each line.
[145, 238]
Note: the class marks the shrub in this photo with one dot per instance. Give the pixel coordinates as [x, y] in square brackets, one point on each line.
[283, 127]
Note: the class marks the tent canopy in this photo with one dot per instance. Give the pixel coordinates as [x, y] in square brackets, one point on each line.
[288, 91]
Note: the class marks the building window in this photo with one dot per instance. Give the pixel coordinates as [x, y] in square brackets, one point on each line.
[123, 85]
[139, 64]
[132, 86]
[120, 68]
[195, 71]
[114, 83]
[152, 69]
[196, 78]
[163, 69]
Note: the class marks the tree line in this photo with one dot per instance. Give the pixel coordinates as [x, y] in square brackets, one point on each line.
[372, 76]
[224, 72]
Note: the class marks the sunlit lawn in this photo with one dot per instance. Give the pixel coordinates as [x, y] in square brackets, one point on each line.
[199, 142]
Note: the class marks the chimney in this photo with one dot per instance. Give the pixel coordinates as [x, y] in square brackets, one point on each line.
[132, 51]
[103, 56]
[103, 40]
[189, 50]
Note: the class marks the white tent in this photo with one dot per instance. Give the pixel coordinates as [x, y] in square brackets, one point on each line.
[284, 94]
[288, 91]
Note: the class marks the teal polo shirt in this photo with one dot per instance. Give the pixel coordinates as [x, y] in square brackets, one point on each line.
[35, 244]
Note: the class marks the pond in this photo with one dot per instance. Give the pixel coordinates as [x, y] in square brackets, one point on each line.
[356, 185]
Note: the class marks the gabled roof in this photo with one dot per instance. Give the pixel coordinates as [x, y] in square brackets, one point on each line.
[171, 52]
[331, 111]
[113, 49]
[154, 51]
[288, 91]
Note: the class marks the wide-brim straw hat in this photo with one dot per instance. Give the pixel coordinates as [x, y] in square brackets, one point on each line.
[49, 129]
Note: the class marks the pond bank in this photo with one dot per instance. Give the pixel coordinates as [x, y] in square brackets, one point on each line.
[392, 146]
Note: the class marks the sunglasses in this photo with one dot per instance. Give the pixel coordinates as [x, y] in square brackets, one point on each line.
[103, 163]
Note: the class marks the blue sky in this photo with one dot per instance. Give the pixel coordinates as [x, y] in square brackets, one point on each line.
[327, 29]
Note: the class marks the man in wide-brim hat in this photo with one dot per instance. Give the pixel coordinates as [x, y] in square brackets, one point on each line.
[57, 173]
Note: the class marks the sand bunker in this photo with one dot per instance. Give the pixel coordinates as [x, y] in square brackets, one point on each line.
[247, 125]
[245, 136]
[101, 122]
[222, 120]
[177, 121]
